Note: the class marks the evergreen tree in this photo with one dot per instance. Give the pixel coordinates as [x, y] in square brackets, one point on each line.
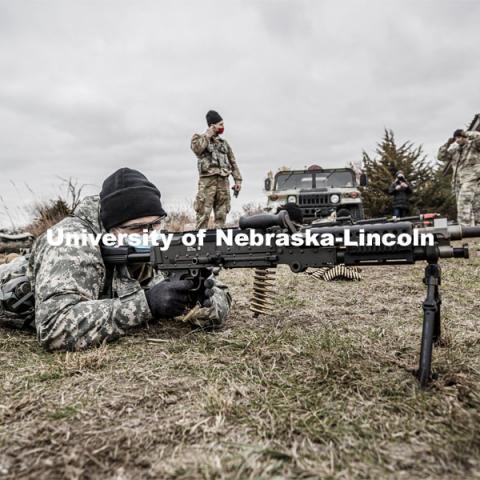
[431, 189]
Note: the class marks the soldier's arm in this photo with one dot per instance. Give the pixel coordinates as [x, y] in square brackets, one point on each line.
[233, 164]
[68, 313]
[199, 143]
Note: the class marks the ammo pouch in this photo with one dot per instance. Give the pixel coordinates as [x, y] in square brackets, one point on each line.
[212, 157]
[215, 157]
[17, 300]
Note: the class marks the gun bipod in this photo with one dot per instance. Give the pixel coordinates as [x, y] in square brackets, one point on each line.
[431, 330]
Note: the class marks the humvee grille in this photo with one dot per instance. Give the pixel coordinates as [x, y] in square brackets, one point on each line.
[312, 199]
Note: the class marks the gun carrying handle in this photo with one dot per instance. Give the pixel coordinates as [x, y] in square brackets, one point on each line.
[198, 277]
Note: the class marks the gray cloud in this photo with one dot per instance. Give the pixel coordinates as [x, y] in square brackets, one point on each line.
[88, 87]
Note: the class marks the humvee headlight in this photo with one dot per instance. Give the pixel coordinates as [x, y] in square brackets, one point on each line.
[335, 198]
[292, 199]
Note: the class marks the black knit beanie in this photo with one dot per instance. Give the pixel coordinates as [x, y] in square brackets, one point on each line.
[213, 117]
[126, 195]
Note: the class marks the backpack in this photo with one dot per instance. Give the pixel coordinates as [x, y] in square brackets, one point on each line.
[17, 299]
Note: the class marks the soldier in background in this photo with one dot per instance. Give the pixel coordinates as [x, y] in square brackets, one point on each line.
[461, 153]
[401, 190]
[216, 163]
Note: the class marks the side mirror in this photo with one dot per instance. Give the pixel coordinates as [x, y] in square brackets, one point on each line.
[268, 184]
[363, 180]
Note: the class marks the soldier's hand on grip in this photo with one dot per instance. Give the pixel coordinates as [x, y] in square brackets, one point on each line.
[214, 307]
[169, 299]
[208, 291]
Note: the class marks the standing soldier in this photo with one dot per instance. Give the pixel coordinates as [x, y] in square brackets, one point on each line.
[401, 190]
[216, 163]
[462, 154]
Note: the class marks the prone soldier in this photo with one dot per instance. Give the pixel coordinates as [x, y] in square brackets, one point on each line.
[216, 162]
[79, 301]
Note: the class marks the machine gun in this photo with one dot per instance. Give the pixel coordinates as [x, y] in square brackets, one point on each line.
[195, 262]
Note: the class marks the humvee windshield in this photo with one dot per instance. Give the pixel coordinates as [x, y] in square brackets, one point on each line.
[311, 180]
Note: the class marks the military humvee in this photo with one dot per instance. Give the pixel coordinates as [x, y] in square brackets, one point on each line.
[316, 189]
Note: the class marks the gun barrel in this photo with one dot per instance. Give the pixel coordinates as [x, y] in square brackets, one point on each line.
[452, 232]
[468, 232]
[447, 251]
[430, 254]
[461, 252]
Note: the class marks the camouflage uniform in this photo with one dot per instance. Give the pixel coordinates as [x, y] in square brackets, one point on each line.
[216, 163]
[77, 304]
[465, 160]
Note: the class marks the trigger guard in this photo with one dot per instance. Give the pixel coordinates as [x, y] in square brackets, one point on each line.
[193, 275]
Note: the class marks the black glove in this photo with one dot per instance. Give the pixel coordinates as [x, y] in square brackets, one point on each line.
[208, 292]
[169, 299]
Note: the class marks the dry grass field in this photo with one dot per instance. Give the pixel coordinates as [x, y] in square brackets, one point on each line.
[324, 387]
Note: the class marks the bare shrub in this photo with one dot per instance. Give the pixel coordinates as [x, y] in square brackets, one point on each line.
[180, 221]
[250, 208]
[50, 212]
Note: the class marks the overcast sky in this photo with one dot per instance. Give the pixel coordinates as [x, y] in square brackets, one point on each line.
[87, 87]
